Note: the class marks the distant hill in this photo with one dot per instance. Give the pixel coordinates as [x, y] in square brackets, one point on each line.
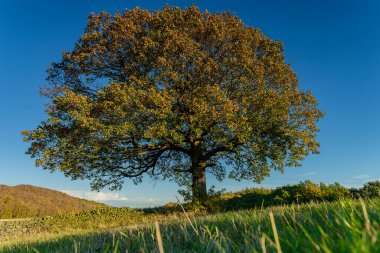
[24, 201]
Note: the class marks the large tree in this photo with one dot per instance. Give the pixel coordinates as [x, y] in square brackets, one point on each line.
[173, 94]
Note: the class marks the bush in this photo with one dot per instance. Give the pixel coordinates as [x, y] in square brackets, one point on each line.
[334, 192]
[371, 189]
[300, 193]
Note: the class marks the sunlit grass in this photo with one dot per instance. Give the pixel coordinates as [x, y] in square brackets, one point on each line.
[344, 226]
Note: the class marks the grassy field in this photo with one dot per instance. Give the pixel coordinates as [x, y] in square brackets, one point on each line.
[343, 226]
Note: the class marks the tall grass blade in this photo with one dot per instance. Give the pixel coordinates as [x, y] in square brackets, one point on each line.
[159, 239]
[276, 239]
[262, 242]
[187, 216]
[366, 220]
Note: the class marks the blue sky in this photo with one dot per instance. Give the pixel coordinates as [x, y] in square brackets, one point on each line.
[333, 46]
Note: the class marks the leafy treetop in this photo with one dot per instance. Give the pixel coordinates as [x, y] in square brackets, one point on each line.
[173, 94]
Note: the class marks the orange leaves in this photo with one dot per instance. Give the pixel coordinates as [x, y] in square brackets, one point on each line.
[140, 83]
[25, 132]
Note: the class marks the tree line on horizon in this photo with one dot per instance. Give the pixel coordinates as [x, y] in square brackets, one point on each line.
[301, 193]
[30, 201]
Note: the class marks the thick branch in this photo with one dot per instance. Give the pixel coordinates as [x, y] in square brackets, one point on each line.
[149, 162]
[223, 148]
[153, 147]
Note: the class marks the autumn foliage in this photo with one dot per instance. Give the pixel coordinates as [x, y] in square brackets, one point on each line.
[25, 201]
[173, 94]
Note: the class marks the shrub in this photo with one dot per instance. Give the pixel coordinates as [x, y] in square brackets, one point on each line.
[371, 189]
[300, 193]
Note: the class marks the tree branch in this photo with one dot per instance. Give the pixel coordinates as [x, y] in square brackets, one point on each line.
[223, 148]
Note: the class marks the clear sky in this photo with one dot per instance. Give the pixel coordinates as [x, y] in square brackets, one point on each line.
[333, 46]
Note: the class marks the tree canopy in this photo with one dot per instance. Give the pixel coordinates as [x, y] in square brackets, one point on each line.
[173, 94]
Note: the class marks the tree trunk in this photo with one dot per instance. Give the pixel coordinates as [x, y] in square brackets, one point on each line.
[198, 171]
[199, 182]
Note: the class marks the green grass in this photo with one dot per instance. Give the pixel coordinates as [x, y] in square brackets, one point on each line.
[343, 226]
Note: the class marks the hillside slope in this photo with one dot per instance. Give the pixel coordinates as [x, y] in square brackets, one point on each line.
[24, 201]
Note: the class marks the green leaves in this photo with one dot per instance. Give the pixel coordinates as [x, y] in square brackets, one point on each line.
[162, 92]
